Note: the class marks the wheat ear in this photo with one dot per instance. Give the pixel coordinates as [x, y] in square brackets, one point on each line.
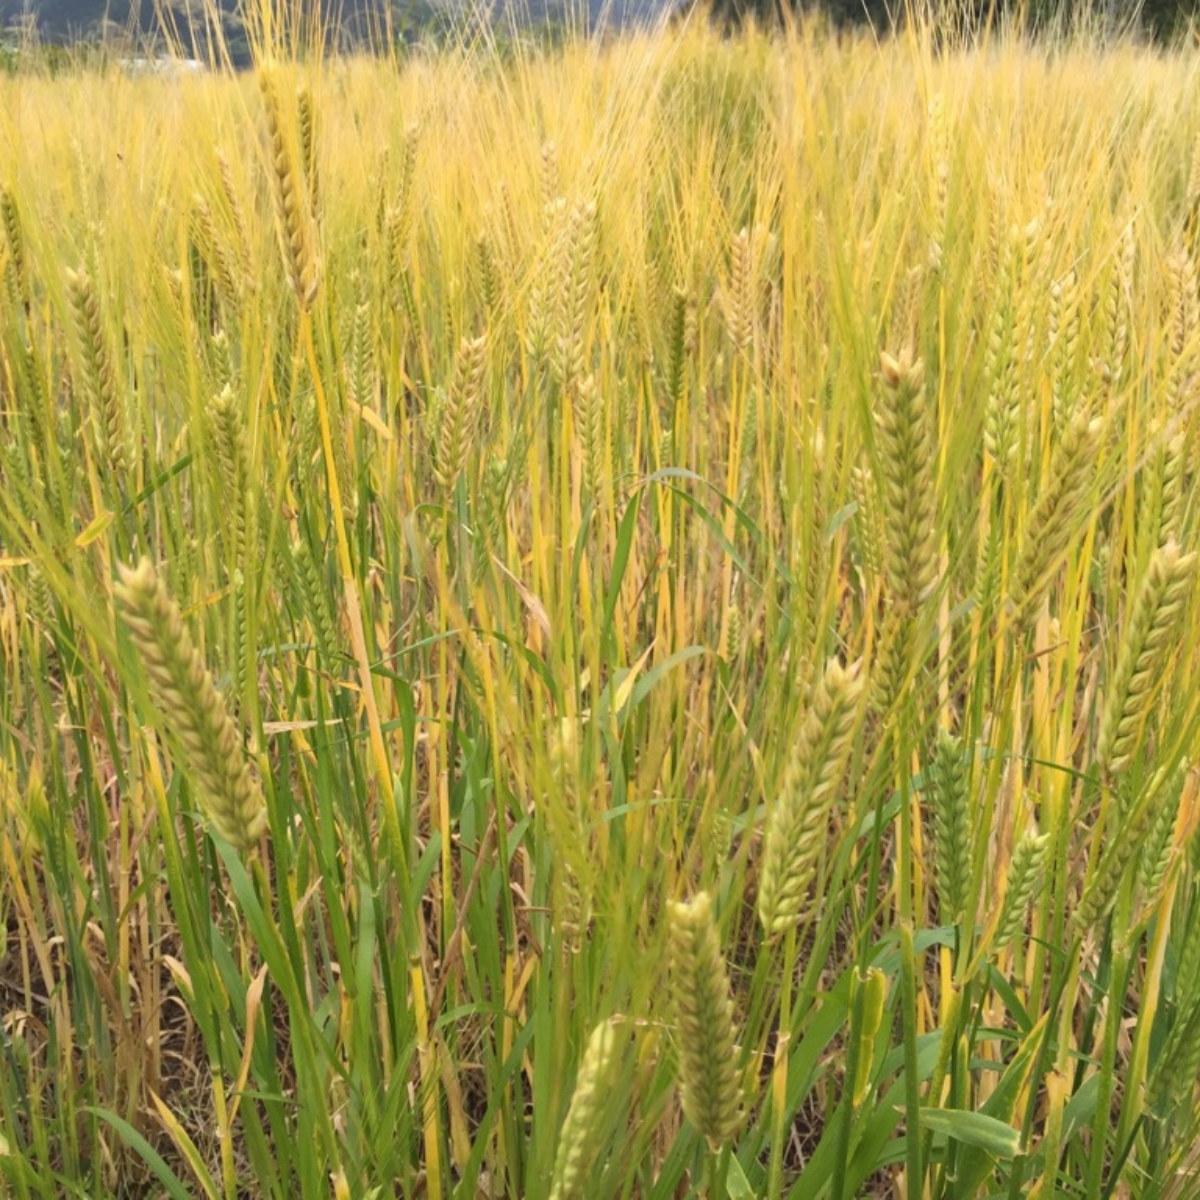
[902, 424]
[797, 824]
[194, 711]
[704, 1017]
[294, 224]
[99, 373]
[1052, 522]
[458, 415]
[582, 1131]
[1024, 881]
[1145, 645]
[1100, 891]
[952, 824]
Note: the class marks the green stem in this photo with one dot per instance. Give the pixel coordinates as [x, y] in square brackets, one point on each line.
[908, 979]
[779, 1081]
[718, 1165]
[912, 1084]
[1108, 1059]
[845, 1112]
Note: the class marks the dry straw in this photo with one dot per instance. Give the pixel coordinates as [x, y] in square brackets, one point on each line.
[194, 711]
[704, 1016]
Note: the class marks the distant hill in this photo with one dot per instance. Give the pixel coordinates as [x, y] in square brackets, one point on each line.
[117, 20]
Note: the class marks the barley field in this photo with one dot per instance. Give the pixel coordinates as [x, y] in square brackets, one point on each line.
[607, 620]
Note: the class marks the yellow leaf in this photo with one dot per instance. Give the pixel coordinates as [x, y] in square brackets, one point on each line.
[186, 1147]
[95, 528]
[272, 727]
[253, 1004]
[370, 417]
[621, 698]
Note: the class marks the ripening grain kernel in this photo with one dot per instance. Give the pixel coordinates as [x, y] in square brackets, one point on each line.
[797, 821]
[867, 521]
[1065, 326]
[1024, 883]
[704, 1018]
[194, 711]
[577, 260]
[14, 236]
[953, 838]
[1145, 646]
[739, 293]
[306, 121]
[459, 415]
[579, 1141]
[233, 463]
[905, 458]
[1135, 821]
[1051, 524]
[1154, 858]
[297, 239]
[99, 375]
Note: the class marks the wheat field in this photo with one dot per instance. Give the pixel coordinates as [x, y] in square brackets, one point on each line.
[604, 620]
